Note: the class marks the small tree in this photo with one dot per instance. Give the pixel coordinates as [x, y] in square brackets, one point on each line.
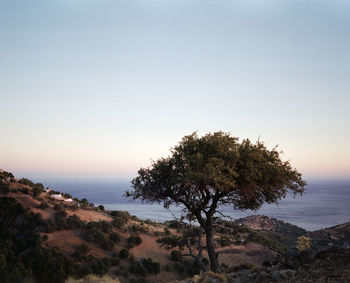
[204, 174]
[38, 189]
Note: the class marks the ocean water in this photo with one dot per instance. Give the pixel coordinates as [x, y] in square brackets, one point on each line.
[325, 203]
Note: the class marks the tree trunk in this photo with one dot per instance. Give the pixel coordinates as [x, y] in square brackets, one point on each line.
[213, 259]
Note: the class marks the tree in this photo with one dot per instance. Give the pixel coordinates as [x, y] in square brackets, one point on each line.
[205, 173]
[38, 189]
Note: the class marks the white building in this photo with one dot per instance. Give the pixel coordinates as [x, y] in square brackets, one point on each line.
[58, 196]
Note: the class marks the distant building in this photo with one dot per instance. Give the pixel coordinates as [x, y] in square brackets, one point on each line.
[58, 196]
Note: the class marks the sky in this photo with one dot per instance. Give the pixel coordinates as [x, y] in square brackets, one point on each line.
[96, 89]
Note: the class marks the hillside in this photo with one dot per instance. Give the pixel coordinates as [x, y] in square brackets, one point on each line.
[65, 236]
[273, 228]
[49, 236]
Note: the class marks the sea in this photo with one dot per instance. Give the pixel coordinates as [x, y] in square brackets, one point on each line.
[324, 204]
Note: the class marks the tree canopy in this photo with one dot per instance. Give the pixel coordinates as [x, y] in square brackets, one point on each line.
[205, 173]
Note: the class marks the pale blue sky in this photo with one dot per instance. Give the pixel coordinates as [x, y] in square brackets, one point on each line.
[96, 88]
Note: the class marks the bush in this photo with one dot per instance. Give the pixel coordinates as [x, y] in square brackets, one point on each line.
[45, 237]
[124, 253]
[176, 255]
[151, 266]
[169, 241]
[4, 188]
[205, 261]
[193, 269]
[43, 205]
[120, 218]
[96, 235]
[78, 255]
[6, 175]
[224, 241]
[84, 248]
[101, 207]
[101, 225]
[114, 261]
[137, 268]
[134, 241]
[67, 195]
[115, 237]
[84, 203]
[60, 223]
[58, 207]
[74, 221]
[168, 267]
[38, 189]
[107, 245]
[61, 213]
[100, 267]
[138, 229]
[27, 182]
[167, 231]
[24, 191]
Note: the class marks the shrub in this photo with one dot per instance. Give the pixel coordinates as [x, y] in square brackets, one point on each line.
[120, 218]
[60, 223]
[6, 175]
[84, 248]
[168, 267]
[45, 237]
[27, 182]
[24, 191]
[101, 207]
[137, 268]
[107, 245]
[107, 261]
[77, 255]
[149, 222]
[4, 188]
[169, 241]
[167, 231]
[67, 195]
[134, 241]
[38, 189]
[151, 266]
[138, 229]
[124, 253]
[61, 213]
[74, 221]
[84, 203]
[102, 225]
[115, 237]
[205, 261]
[303, 243]
[193, 269]
[114, 261]
[224, 241]
[100, 267]
[58, 207]
[176, 255]
[43, 205]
